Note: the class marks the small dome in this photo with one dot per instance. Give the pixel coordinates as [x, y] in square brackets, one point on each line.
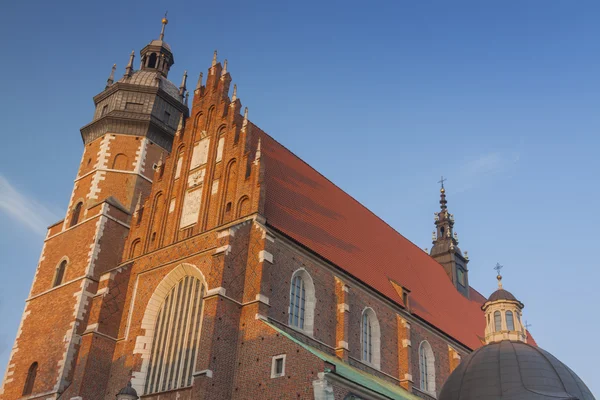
[502, 294]
[154, 79]
[513, 370]
[128, 390]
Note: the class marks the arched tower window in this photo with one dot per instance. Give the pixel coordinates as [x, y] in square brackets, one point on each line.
[427, 367]
[60, 273]
[75, 214]
[497, 321]
[176, 336]
[370, 338]
[510, 322]
[152, 61]
[30, 380]
[121, 161]
[302, 302]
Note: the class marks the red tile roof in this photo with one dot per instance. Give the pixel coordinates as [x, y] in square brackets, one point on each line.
[307, 207]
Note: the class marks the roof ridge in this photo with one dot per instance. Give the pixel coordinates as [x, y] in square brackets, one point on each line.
[349, 195]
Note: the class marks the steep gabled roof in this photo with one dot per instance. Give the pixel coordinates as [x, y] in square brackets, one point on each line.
[310, 209]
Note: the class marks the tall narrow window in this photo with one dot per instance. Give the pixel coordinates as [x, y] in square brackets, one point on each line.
[60, 273]
[427, 367]
[75, 215]
[497, 321]
[302, 302]
[510, 323]
[176, 336]
[370, 338]
[297, 302]
[367, 339]
[30, 381]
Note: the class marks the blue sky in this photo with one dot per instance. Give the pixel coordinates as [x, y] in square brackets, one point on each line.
[381, 97]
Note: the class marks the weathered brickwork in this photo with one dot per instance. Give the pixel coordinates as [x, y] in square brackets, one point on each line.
[153, 215]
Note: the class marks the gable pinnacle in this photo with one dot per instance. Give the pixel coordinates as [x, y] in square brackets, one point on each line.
[111, 78]
[214, 60]
[181, 124]
[258, 153]
[245, 123]
[234, 97]
[199, 84]
[224, 71]
[187, 97]
[138, 205]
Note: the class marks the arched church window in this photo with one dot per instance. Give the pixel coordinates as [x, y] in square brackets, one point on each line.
[152, 60]
[510, 323]
[297, 302]
[302, 302]
[497, 321]
[427, 367]
[176, 336]
[60, 273]
[75, 214]
[370, 338]
[30, 380]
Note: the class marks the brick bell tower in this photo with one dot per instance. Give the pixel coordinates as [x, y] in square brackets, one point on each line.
[132, 129]
[445, 248]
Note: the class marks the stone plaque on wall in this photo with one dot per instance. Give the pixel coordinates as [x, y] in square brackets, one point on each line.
[220, 149]
[178, 170]
[191, 207]
[200, 154]
[196, 178]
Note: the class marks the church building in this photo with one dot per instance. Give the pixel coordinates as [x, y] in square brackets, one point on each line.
[201, 259]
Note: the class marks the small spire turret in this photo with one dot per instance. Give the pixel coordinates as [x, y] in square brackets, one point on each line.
[445, 248]
[182, 87]
[129, 67]
[111, 77]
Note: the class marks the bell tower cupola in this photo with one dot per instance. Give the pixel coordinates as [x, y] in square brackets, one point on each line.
[445, 248]
[503, 315]
[157, 55]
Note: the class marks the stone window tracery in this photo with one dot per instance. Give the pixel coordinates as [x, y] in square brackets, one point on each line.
[370, 338]
[302, 302]
[176, 336]
[427, 367]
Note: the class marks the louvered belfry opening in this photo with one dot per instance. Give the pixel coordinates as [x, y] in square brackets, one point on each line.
[176, 337]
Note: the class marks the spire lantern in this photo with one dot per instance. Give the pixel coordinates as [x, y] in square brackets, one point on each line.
[157, 55]
[503, 314]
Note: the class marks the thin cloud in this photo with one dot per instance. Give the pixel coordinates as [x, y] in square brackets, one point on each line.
[27, 211]
[486, 166]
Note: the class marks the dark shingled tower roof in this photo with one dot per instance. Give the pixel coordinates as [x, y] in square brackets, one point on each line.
[513, 371]
[502, 294]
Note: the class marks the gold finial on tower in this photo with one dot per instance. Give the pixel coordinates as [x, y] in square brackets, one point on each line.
[165, 21]
[498, 267]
